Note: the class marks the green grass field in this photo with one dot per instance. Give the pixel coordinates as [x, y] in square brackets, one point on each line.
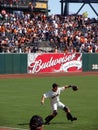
[20, 99]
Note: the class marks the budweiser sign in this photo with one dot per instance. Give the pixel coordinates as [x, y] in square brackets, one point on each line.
[54, 62]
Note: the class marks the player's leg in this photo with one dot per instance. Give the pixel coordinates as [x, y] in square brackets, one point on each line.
[68, 114]
[50, 117]
[67, 110]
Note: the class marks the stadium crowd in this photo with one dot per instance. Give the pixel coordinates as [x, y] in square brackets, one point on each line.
[23, 32]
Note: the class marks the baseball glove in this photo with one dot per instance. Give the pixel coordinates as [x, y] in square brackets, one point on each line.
[74, 88]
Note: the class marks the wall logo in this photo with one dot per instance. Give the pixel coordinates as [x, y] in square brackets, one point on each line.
[54, 62]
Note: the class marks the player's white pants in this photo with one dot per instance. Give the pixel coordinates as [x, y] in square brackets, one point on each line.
[57, 105]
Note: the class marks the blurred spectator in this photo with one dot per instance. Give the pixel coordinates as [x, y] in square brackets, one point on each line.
[36, 123]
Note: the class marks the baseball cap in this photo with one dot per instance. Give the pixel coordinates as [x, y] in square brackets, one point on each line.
[54, 85]
[36, 122]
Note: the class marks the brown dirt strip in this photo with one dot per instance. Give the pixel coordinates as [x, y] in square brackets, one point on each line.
[5, 129]
[7, 76]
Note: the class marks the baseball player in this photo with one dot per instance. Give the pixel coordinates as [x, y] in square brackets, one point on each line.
[55, 102]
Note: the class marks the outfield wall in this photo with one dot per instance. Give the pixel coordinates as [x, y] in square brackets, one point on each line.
[90, 62]
[13, 63]
[47, 62]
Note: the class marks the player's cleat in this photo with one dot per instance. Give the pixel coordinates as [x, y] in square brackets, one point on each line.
[70, 117]
[74, 118]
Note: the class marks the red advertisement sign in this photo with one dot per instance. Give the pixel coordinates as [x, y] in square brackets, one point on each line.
[51, 62]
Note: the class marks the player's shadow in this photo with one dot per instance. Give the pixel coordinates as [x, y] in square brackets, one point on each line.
[23, 124]
[51, 123]
[55, 123]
